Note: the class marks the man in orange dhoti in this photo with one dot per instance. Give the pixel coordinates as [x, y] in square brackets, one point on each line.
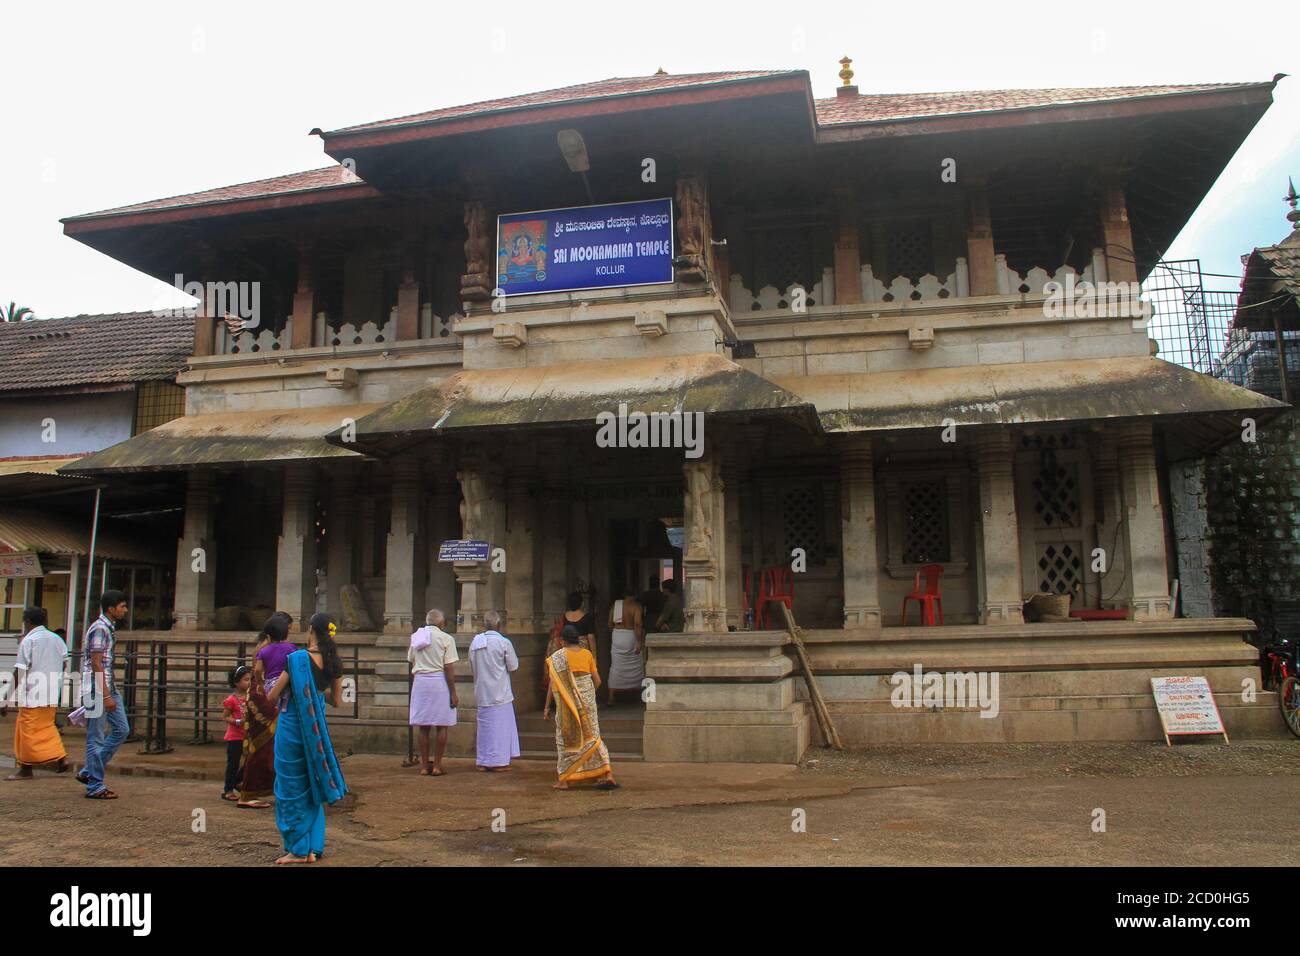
[39, 667]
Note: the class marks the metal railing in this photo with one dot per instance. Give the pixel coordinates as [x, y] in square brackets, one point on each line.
[169, 683]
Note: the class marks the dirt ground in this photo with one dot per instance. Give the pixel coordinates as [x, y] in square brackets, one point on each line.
[990, 805]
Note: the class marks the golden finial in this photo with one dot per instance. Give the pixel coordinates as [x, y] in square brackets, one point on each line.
[846, 74]
[661, 72]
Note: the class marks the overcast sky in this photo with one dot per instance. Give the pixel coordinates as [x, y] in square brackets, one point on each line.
[108, 104]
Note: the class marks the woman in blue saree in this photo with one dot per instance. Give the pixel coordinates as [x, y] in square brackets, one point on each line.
[307, 774]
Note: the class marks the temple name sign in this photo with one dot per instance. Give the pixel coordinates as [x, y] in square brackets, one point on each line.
[460, 549]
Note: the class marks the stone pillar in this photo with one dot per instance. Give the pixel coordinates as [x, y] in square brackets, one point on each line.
[731, 560]
[1116, 232]
[520, 536]
[408, 306]
[1144, 519]
[404, 565]
[341, 537]
[554, 526]
[1114, 587]
[858, 534]
[481, 516]
[848, 258]
[1001, 597]
[441, 590]
[295, 566]
[979, 241]
[304, 301]
[705, 552]
[196, 590]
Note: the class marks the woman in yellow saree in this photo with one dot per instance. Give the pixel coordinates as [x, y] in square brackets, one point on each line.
[573, 686]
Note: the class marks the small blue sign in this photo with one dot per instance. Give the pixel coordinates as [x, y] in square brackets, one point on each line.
[585, 247]
[463, 550]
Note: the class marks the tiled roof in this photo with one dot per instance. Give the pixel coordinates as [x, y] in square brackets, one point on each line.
[600, 89]
[118, 348]
[310, 181]
[887, 107]
[1284, 262]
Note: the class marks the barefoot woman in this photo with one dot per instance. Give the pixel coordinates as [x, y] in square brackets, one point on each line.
[307, 774]
[574, 682]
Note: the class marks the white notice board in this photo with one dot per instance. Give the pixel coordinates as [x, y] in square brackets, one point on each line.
[1186, 706]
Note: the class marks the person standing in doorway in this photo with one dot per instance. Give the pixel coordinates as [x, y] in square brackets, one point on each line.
[493, 658]
[39, 666]
[106, 723]
[672, 618]
[626, 665]
[432, 657]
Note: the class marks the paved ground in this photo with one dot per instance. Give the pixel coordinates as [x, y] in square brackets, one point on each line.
[1004, 804]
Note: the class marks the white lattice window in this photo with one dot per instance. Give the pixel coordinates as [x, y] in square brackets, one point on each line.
[803, 522]
[925, 522]
[1060, 567]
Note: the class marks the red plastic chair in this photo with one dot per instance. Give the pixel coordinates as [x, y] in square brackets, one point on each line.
[775, 585]
[929, 599]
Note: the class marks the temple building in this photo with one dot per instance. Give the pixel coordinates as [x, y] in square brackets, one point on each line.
[881, 306]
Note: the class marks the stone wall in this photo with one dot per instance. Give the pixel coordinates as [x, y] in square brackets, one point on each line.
[1252, 497]
[1190, 516]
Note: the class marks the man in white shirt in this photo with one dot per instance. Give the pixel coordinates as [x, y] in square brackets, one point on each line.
[432, 657]
[493, 658]
[39, 672]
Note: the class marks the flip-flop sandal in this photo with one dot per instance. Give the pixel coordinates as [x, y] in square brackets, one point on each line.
[231, 797]
[102, 795]
[609, 785]
[255, 805]
[21, 776]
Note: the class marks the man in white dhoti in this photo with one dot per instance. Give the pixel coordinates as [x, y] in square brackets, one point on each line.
[493, 658]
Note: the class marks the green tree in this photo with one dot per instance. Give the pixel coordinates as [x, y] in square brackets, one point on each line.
[16, 313]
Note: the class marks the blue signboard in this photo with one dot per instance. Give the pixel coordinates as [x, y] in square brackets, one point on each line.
[586, 247]
[463, 550]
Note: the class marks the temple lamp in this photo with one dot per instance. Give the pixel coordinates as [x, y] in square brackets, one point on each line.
[574, 150]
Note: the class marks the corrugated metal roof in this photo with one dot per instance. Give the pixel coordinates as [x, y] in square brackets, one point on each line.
[231, 438]
[23, 529]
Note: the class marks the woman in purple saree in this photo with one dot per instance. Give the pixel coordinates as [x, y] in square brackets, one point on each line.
[307, 773]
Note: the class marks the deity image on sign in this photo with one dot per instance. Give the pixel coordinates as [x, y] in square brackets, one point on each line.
[521, 254]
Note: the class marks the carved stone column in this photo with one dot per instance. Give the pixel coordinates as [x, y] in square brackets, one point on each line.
[341, 537]
[443, 525]
[555, 530]
[858, 526]
[520, 542]
[295, 567]
[848, 257]
[1114, 587]
[704, 557]
[731, 560]
[196, 589]
[1145, 524]
[408, 305]
[1001, 597]
[979, 241]
[692, 227]
[477, 283]
[404, 566]
[481, 512]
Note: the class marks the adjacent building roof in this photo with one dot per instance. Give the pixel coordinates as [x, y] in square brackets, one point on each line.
[230, 439]
[82, 351]
[47, 532]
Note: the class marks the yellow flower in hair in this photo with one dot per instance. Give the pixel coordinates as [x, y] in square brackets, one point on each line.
[333, 630]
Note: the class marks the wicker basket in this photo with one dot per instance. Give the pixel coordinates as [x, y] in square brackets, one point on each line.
[1051, 606]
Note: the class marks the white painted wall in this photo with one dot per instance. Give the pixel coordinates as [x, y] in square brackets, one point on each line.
[82, 423]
